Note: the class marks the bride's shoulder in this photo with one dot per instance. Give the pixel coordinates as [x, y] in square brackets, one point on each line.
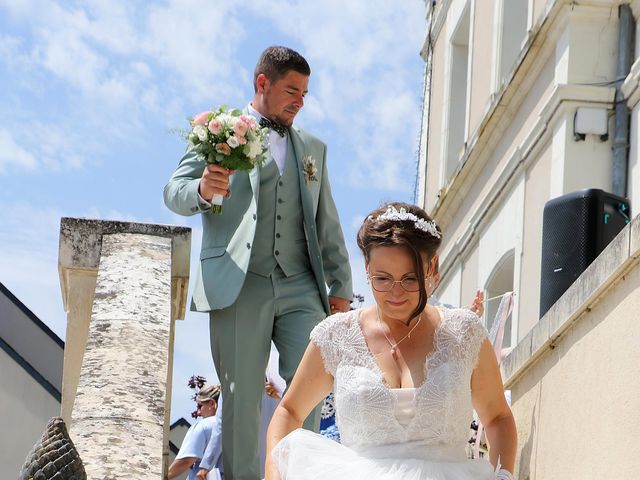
[329, 336]
[334, 326]
[463, 323]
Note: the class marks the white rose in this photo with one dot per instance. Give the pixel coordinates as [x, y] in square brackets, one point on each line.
[227, 120]
[201, 132]
[253, 148]
[232, 141]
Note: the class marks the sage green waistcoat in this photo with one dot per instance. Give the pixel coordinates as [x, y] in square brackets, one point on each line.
[280, 238]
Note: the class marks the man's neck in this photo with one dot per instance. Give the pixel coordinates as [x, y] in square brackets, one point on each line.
[256, 106]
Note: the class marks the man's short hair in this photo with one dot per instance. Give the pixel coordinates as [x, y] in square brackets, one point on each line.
[275, 62]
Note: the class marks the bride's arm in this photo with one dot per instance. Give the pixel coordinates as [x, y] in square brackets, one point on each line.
[310, 385]
[487, 393]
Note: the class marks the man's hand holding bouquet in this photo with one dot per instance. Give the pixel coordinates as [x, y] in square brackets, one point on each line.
[230, 139]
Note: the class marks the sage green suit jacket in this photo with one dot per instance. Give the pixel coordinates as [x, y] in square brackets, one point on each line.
[227, 238]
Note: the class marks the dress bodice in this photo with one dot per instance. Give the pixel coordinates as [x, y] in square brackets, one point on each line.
[405, 405]
[369, 414]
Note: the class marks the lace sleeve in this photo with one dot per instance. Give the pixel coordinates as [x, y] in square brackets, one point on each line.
[470, 334]
[475, 333]
[326, 335]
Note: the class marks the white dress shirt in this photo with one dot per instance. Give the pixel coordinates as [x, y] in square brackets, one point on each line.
[277, 144]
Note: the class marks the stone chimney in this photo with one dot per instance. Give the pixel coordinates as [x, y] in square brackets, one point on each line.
[123, 286]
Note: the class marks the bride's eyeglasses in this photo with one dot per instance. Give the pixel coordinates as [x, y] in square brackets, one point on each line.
[386, 284]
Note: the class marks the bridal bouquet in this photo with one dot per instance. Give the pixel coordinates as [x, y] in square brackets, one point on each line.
[227, 138]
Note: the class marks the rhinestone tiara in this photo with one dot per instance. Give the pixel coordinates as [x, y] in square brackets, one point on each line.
[393, 214]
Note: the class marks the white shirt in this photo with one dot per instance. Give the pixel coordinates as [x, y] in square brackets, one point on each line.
[195, 442]
[277, 144]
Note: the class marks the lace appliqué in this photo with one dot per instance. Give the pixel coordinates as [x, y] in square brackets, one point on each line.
[365, 406]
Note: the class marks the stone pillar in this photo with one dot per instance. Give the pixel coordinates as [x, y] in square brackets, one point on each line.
[123, 286]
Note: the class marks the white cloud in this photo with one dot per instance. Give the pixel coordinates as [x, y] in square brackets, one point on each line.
[112, 64]
[358, 60]
[10, 52]
[127, 61]
[13, 154]
[17, 7]
[28, 256]
[198, 42]
[42, 147]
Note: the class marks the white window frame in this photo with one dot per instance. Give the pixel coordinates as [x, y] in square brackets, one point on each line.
[462, 10]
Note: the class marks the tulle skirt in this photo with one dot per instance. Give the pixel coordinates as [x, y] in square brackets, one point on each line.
[304, 455]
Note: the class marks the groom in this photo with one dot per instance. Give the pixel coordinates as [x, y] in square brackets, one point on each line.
[267, 260]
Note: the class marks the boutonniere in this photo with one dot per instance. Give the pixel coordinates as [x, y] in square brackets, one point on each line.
[309, 169]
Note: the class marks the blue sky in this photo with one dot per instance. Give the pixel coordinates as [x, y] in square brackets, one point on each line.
[89, 91]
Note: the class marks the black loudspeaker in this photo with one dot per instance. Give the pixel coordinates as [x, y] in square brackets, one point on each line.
[576, 227]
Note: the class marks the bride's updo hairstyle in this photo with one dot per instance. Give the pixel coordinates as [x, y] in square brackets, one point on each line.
[403, 225]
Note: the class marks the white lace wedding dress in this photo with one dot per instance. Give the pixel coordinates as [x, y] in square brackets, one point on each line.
[392, 433]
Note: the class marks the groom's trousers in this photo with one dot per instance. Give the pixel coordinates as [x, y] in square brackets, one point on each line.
[277, 307]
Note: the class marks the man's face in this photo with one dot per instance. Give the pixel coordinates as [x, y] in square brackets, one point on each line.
[284, 98]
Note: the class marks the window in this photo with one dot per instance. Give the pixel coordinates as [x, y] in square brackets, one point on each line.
[512, 31]
[458, 81]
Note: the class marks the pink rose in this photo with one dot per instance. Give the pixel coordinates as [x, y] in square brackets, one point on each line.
[240, 128]
[250, 122]
[201, 118]
[215, 126]
[241, 139]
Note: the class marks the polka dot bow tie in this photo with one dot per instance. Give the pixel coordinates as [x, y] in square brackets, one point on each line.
[276, 127]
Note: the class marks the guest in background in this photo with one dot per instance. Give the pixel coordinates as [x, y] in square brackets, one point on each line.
[198, 435]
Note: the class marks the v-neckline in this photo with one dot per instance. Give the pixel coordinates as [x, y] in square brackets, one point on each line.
[427, 359]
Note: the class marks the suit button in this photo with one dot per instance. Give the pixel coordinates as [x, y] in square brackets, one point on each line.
[277, 252]
[279, 217]
[248, 245]
[279, 200]
[277, 235]
[255, 216]
[280, 183]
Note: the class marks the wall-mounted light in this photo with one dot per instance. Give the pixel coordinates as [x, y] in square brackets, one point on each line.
[590, 121]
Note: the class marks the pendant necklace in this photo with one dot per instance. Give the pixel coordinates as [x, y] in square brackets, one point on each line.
[392, 344]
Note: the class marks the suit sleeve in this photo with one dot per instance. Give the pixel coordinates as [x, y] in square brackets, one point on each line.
[335, 259]
[181, 192]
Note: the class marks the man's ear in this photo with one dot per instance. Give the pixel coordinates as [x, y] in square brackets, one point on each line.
[261, 82]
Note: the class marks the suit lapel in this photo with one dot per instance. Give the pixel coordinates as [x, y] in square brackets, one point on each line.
[254, 178]
[299, 151]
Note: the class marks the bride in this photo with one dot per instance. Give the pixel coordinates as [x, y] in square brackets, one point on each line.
[406, 376]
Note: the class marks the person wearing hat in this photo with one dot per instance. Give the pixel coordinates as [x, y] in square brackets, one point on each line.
[198, 435]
